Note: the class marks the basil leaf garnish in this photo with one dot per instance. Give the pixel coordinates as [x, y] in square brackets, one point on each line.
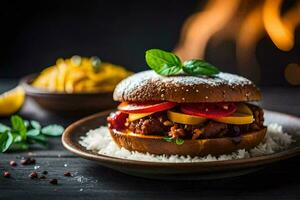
[33, 132]
[167, 63]
[53, 130]
[35, 124]
[18, 125]
[22, 134]
[26, 123]
[96, 63]
[168, 139]
[162, 62]
[4, 128]
[6, 139]
[199, 67]
[179, 141]
[19, 146]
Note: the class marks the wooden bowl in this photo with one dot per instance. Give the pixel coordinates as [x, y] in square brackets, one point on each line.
[78, 104]
[157, 145]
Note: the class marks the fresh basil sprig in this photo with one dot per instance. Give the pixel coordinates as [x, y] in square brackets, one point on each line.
[52, 130]
[24, 133]
[199, 67]
[167, 63]
[178, 141]
[162, 62]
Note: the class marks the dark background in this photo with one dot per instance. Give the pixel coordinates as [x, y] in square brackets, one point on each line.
[35, 33]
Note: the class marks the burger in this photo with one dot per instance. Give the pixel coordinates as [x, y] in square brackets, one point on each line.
[186, 114]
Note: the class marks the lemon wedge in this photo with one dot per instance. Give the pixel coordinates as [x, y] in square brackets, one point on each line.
[11, 101]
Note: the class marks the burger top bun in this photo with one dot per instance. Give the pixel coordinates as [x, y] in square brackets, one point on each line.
[149, 86]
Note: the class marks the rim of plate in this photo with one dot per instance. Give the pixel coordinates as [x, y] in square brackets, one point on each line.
[72, 146]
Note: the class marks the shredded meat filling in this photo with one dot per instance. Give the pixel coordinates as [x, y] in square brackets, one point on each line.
[158, 124]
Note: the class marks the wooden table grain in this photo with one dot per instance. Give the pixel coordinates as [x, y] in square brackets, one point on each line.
[91, 181]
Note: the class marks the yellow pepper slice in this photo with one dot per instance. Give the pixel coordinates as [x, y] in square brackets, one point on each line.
[243, 108]
[243, 115]
[184, 118]
[135, 116]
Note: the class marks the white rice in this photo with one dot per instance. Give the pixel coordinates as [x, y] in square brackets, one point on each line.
[100, 141]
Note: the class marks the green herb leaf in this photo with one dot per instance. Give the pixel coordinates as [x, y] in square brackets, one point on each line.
[35, 124]
[162, 62]
[26, 123]
[33, 132]
[40, 137]
[18, 125]
[179, 141]
[96, 63]
[168, 139]
[53, 130]
[4, 128]
[23, 133]
[76, 60]
[19, 146]
[199, 67]
[16, 136]
[6, 139]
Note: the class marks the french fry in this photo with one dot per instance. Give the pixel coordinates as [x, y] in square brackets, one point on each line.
[77, 75]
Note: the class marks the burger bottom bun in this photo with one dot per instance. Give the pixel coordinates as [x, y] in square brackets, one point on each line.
[157, 145]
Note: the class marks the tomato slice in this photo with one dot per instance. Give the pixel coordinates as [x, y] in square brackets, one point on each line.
[148, 107]
[117, 120]
[209, 110]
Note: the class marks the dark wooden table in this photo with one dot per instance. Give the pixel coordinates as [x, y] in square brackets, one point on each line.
[91, 181]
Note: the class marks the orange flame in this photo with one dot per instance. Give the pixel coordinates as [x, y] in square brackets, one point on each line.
[221, 17]
[199, 28]
[275, 27]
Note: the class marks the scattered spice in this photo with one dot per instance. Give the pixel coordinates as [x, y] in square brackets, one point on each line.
[67, 174]
[36, 167]
[33, 175]
[6, 174]
[43, 177]
[12, 163]
[27, 161]
[53, 181]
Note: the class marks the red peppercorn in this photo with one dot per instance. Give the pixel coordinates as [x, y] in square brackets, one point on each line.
[12, 163]
[53, 181]
[43, 177]
[6, 174]
[67, 174]
[33, 175]
[27, 161]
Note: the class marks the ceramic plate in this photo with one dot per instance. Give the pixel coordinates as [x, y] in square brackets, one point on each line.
[181, 171]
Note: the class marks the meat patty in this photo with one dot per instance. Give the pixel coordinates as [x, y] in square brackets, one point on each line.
[151, 125]
[158, 124]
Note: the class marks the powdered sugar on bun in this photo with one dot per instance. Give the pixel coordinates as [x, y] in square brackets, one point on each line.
[149, 86]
